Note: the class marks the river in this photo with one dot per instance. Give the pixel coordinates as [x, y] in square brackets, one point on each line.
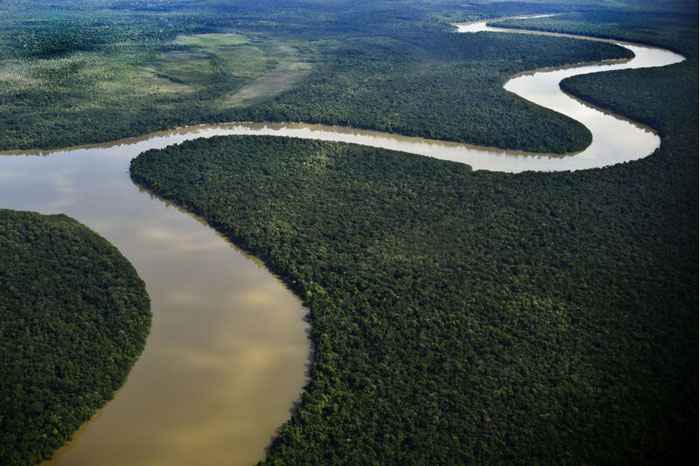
[227, 354]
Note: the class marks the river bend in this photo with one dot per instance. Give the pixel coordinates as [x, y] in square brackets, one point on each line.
[228, 349]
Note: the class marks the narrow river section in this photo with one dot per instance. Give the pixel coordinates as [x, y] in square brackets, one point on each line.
[615, 139]
[228, 350]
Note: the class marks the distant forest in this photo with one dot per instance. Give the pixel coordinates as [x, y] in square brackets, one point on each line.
[133, 68]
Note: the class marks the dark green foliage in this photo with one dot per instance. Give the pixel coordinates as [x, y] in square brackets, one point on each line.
[58, 39]
[74, 317]
[675, 31]
[461, 317]
[457, 317]
[477, 318]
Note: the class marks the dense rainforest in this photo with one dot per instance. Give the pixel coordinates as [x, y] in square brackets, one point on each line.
[74, 316]
[462, 316]
[472, 317]
[457, 317]
[128, 68]
[668, 30]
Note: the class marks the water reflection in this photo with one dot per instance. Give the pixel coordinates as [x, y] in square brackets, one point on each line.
[226, 356]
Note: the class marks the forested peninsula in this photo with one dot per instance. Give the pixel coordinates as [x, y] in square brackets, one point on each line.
[74, 317]
[458, 316]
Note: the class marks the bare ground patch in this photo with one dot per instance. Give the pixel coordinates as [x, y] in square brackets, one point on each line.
[283, 77]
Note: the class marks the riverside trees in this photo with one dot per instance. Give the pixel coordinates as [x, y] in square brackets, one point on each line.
[74, 316]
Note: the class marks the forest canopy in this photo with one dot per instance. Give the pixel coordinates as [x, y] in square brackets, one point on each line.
[461, 317]
[74, 317]
[471, 317]
[458, 317]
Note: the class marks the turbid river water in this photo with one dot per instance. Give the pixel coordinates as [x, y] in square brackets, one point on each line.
[227, 353]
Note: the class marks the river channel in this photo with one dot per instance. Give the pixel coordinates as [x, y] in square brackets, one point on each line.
[227, 354]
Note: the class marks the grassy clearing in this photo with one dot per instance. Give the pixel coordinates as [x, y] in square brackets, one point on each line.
[58, 97]
[212, 41]
[287, 68]
[231, 54]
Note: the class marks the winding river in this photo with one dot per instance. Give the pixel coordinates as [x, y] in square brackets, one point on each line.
[228, 350]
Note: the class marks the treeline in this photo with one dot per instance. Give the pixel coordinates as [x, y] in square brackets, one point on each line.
[59, 39]
[74, 317]
[673, 85]
[672, 29]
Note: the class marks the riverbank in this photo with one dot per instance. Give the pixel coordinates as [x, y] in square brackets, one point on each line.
[90, 164]
[74, 317]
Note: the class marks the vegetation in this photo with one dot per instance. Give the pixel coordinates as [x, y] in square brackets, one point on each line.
[462, 317]
[674, 31]
[74, 317]
[62, 87]
[457, 317]
[440, 85]
[101, 70]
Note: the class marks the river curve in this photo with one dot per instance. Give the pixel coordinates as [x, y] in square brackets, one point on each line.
[227, 353]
